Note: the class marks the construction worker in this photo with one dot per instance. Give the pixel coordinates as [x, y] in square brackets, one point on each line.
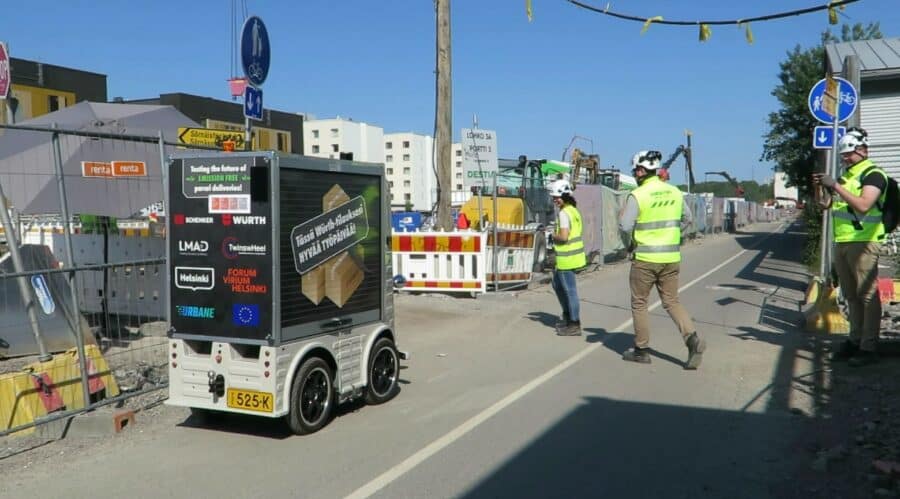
[569, 249]
[858, 232]
[650, 224]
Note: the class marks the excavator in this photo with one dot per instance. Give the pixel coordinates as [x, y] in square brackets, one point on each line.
[681, 150]
[738, 190]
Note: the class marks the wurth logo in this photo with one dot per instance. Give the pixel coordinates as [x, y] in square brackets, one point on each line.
[226, 219]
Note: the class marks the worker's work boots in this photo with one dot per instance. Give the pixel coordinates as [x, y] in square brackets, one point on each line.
[847, 350]
[571, 328]
[696, 345]
[639, 355]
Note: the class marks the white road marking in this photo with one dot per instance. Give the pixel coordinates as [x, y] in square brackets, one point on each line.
[433, 448]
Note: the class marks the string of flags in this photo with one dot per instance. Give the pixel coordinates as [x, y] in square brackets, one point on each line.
[704, 25]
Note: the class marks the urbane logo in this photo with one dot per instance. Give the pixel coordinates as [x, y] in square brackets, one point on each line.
[193, 312]
[232, 248]
[245, 315]
[194, 278]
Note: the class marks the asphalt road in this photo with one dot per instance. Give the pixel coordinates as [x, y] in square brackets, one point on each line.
[493, 404]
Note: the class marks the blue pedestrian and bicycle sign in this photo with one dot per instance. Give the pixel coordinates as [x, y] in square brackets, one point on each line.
[823, 136]
[846, 101]
[255, 50]
[253, 102]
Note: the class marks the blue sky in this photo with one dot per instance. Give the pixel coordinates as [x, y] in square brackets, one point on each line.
[568, 72]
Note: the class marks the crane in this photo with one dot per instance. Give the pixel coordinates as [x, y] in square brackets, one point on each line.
[738, 190]
[682, 150]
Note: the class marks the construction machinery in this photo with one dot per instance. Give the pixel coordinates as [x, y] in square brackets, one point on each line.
[738, 190]
[681, 150]
[585, 167]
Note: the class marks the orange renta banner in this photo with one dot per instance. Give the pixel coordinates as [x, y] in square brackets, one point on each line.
[129, 169]
[96, 169]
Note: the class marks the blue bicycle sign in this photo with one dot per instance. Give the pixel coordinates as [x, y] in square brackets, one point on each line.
[255, 50]
[847, 101]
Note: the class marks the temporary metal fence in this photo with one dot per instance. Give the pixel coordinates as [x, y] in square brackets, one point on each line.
[83, 283]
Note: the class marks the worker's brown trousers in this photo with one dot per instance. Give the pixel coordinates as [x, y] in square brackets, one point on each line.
[856, 264]
[664, 276]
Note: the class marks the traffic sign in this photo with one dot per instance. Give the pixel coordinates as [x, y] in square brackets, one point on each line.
[209, 137]
[823, 136]
[255, 51]
[5, 74]
[253, 103]
[820, 95]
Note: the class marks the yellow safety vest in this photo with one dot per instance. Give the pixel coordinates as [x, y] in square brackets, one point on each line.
[657, 233]
[850, 226]
[570, 255]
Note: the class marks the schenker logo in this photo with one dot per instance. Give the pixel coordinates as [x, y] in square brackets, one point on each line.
[232, 248]
[181, 219]
[195, 278]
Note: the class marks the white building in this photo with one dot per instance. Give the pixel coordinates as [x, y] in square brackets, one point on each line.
[783, 191]
[330, 137]
[409, 168]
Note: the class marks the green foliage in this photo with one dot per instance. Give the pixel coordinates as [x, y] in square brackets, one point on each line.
[813, 219]
[787, 143]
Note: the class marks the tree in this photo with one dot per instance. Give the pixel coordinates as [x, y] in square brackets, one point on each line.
[788, 141]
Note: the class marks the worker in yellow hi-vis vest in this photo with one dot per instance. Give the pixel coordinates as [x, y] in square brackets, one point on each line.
[858, 232]
[650, 224]
[569, 248]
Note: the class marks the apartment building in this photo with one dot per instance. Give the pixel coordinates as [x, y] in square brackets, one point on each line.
[329, 138]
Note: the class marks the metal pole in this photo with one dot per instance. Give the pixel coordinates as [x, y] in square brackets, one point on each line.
[496, 241]
[602, 227]
[12, 244]
[67, 234]
[247, 134]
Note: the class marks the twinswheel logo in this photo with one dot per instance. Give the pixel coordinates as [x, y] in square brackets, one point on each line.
[233, 248]
[193, 312]
[195, 278]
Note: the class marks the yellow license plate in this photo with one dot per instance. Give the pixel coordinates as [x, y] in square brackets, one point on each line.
[250, 400]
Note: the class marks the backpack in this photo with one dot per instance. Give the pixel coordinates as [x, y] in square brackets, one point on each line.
[890, 211]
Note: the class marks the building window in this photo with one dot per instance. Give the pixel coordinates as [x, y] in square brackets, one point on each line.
[406, 157]
[459, 164]
[52, 103]
[334, 132]
[406, 170]
[390, 171]
[406, 183]
[407, 196]
[459, 187]
[458, 175]
[315, 134]
[334, 147]
[388, 145]
[406, 144]
[388, 158]
[459, 152]
[392, 196]
[282, 142]
[315, 149]
[391, 184]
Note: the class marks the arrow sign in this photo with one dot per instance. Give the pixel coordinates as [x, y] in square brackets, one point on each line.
[253, 106]
[210, 137]
[823, 136]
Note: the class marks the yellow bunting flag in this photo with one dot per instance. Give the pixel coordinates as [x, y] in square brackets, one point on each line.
[528, 10]
[705, 32]
[748, 33]
[832, 16]
[649, 21]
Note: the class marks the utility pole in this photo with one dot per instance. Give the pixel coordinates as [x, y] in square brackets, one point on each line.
[443, 136]
[688, 157]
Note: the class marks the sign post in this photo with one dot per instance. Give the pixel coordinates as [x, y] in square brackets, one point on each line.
[256, 54]
[5, 74]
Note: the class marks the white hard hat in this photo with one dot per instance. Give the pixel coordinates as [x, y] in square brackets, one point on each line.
[647, 159]
[851, 140]
[559, 187]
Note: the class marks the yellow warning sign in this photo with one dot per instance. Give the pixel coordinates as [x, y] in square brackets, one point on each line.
[210, 137]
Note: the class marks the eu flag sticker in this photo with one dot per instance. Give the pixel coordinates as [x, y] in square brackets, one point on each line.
[245, 315]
